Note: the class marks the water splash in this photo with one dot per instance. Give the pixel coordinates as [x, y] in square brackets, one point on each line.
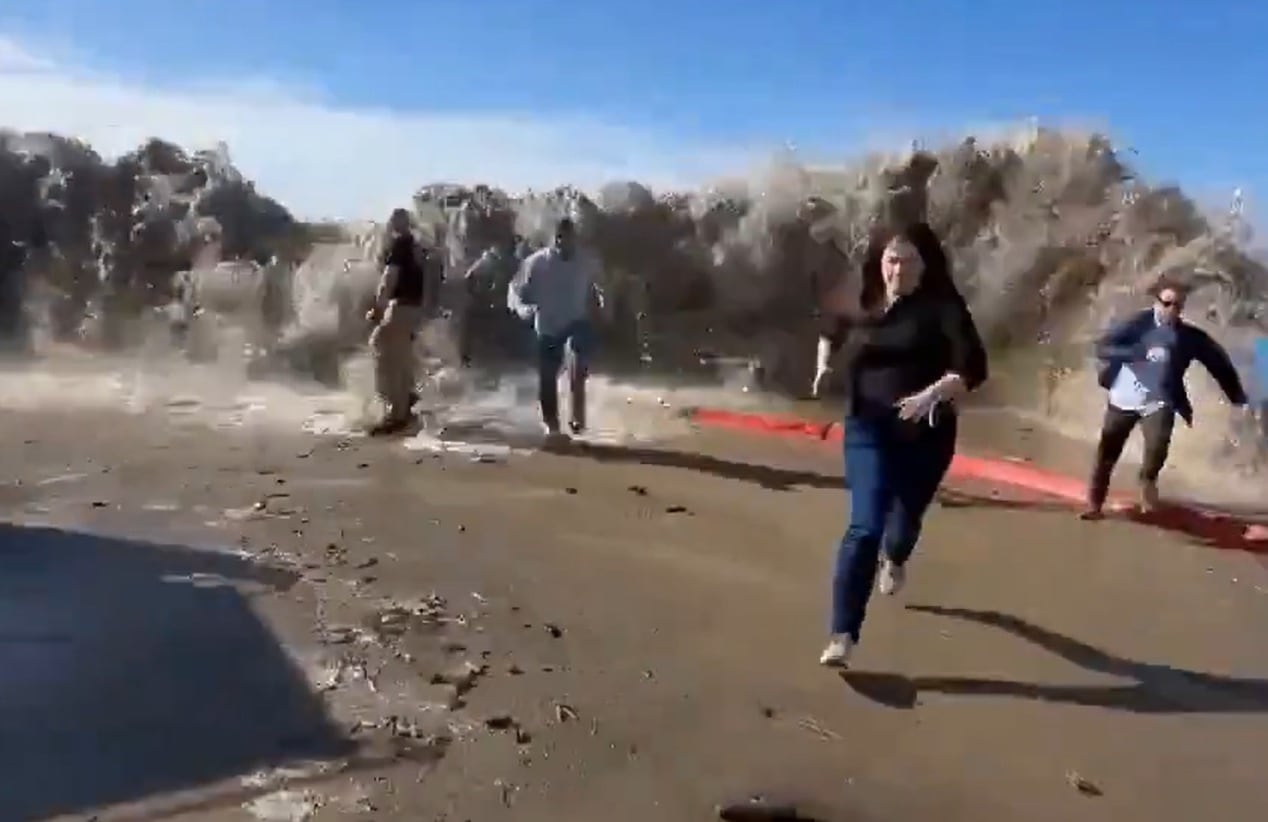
[1051, 232]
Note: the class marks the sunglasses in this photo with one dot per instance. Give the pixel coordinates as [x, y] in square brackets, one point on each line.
[1170, 303]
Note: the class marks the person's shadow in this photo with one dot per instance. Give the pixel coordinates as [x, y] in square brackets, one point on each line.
[1153, 688]
[767, 476]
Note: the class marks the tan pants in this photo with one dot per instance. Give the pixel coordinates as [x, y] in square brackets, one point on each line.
[392, 343]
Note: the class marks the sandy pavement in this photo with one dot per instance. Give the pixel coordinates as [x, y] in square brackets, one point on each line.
[363, 632]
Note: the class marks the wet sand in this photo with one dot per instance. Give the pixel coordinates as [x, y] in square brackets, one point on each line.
[614, 633]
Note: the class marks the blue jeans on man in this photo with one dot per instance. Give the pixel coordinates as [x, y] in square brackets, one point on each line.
[578, 338]
[893, 469]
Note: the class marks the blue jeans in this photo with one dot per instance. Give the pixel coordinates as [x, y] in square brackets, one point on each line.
[550, 357]
[893, 470]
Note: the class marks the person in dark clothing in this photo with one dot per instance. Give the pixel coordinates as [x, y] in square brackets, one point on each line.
[484, 293]
[918, 351]
[397, 312]
[1143, 362]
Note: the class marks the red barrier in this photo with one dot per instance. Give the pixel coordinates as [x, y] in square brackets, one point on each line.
[1005, 472]
[765, 423]
[1218, 529]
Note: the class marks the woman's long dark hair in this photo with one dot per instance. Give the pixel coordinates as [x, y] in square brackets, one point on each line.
[937, 275]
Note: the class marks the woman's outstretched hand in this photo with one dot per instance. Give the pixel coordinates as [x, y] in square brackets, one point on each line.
[921, 404]
[918, 406]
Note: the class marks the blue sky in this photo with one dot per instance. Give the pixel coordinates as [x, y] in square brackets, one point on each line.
[1181, 82]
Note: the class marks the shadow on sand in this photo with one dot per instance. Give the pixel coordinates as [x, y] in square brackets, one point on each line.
[1216, 529]
[1153, 689]
[776, 479]
[1209, 527]
[134, 670]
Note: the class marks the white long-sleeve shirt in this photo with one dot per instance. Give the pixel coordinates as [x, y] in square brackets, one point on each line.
[554, 291]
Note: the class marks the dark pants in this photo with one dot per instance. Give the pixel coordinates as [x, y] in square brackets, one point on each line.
[1116, 428]
[550, 357]
[893, 469]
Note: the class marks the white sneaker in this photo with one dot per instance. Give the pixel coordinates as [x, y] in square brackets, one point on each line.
[837, 654]
[892, 578]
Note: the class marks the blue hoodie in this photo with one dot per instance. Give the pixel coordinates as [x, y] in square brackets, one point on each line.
[1127, 342]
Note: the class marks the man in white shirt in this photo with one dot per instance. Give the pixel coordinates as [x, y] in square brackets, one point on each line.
[556, 287]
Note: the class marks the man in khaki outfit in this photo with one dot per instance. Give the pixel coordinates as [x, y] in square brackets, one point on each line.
[397, 313]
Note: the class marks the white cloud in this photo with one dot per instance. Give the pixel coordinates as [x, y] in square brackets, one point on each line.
[323, 160]
[15, 58]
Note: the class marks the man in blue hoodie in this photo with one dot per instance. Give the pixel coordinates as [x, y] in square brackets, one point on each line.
[1144, 359]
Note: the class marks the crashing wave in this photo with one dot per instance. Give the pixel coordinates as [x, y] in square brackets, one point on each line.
[1051, 233]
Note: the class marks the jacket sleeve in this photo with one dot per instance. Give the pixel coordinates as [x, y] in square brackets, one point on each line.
[968, 354]
[1121, 342]
[1218, 364]
[834, 329]
[478, 269]
[519, 296]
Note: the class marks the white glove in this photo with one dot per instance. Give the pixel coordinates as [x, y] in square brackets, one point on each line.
[820, 375]
[922, 404]
[919, 406]
[823, 358]
[1156, 354]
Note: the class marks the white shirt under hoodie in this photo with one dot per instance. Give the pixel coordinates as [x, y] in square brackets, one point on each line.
[554, 291]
